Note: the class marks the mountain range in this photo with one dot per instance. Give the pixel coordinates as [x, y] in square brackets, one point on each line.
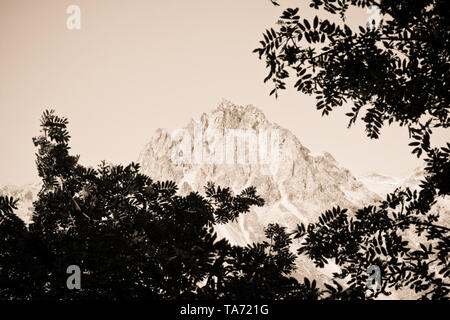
[237, 147]
[296, 185]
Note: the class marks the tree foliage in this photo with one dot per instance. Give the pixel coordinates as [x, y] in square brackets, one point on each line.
[132, 237]
[395, 73]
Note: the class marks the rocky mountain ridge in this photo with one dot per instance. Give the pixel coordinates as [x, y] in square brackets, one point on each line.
[297, 186]
[237, 146]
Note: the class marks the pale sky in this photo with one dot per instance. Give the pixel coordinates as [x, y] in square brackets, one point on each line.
[138, 65]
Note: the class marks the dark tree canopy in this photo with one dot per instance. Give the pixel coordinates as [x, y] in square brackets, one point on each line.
[134, 238]
[396, 73]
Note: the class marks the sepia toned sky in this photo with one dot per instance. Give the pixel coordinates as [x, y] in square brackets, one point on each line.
[138, 65]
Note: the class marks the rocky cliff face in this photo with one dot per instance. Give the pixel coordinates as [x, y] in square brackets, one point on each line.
[296, 185]
[235, 146]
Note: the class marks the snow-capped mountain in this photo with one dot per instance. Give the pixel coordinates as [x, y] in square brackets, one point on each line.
[296, 185]
[237, 146]
[26, 194]
[382, 184]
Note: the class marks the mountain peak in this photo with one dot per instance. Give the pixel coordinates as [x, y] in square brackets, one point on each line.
[294, 183]
[230, 107]
[228, 115]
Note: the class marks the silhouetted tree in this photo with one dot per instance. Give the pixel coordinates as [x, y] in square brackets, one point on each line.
[21, 272]
[397, 72]
[133, 238]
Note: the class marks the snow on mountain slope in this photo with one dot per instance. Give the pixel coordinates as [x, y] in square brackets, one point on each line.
[26, 195]
[382, 185]
[296, 185]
